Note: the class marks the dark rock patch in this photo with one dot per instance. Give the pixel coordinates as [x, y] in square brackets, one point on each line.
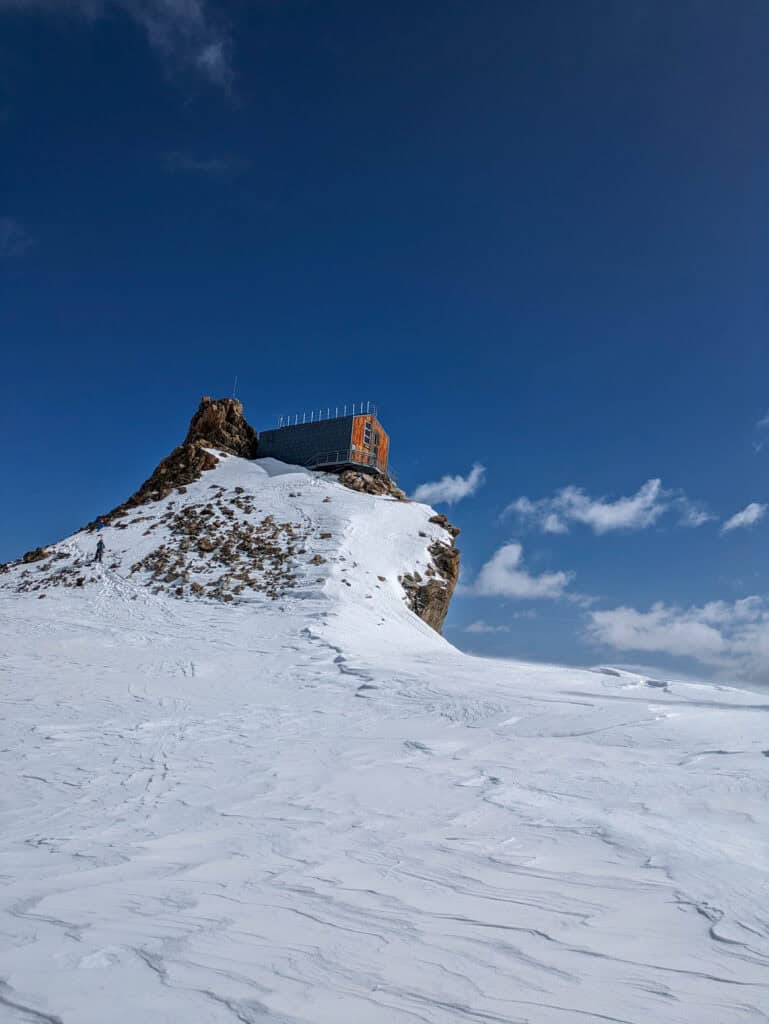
[232, 555]
[37, 555]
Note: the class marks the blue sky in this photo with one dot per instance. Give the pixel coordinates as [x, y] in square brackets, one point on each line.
[536, 234]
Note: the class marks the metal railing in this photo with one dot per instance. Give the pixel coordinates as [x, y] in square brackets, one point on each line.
[335, 413]
[345, 456]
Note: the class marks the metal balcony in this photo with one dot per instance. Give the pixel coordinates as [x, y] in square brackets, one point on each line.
[352, 457]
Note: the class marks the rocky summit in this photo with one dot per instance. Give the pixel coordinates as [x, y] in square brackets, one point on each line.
[220, 423]
[215, 522]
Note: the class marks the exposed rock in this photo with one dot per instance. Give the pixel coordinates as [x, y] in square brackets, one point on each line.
[220, 423]
[430, 599]
[185, 464]
[34, 556]
[440, 520]
[369, 483]
[230, 556]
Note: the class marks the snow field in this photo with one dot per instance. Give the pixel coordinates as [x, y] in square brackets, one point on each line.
[313, 809]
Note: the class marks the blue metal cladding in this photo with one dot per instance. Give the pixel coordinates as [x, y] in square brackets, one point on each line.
[302, 444]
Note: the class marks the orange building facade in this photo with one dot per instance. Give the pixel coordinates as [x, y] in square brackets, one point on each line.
[370, 443]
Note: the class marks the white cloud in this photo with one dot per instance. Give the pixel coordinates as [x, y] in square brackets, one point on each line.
[747, 517]
[504, 576]
[451, 489]
[763, 422]
[572, 504]
[483, 627]
[732, 637]
[692, 515]
[636, 512]
[14, 239]
[182, 32]
[552, 523]
[660, 629]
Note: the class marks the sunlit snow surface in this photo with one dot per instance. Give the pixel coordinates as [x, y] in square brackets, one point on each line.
[315, 810]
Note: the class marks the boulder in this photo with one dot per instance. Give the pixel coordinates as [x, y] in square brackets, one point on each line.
[36, 555]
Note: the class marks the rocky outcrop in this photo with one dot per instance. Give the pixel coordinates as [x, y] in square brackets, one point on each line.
[218, 423]
[440, 520]
[36, 555]
[429, 596]
[369, 483]
[185, 464]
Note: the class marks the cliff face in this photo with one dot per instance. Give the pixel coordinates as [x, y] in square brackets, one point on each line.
[429, 595]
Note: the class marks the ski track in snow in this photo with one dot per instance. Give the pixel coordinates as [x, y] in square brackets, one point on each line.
[314, 810]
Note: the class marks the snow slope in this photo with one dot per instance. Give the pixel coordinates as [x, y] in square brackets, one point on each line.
[311, 808]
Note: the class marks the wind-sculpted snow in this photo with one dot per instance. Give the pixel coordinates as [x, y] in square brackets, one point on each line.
[310, 809]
